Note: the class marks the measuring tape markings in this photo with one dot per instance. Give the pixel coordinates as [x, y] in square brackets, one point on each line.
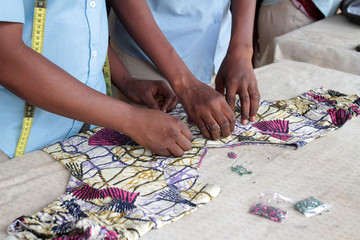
[107, 76]
[36, 45]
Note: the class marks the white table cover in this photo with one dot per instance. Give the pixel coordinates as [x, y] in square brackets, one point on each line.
[328, 43]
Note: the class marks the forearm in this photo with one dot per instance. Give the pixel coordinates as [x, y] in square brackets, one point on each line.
[35, 79]
[119, 74]
[138, 20]
[243, 16]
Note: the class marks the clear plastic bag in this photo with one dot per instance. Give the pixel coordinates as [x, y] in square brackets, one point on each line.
[270, 205]
[311, 206]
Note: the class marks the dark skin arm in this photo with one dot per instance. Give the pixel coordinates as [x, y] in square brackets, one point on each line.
[236, 74]
[206, 107]
[154, 94]
[35, 79]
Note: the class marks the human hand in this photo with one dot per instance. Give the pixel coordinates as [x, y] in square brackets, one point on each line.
[236, 75]
[159, 132]
[154, 94]
[207, 109]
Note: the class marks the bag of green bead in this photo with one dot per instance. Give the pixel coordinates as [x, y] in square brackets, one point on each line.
[311, 206]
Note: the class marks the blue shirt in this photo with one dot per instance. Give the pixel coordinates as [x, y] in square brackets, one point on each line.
[198, 30]
[76, 39]
[327, 7]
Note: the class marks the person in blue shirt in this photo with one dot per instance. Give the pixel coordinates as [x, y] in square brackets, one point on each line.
[187, 42]
[277, 17]
[66, 83]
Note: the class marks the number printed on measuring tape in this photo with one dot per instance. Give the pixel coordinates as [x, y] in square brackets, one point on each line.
[39, 26]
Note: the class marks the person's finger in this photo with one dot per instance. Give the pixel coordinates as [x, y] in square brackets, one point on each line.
[183, 139]
[164, 103]
[231, 97]
[212, 126]
[187, 133]
[168, 98]
[245, 106]
[223, 123]
[162, 152]
[169, 103]
[150, 101]
[219, 84]
[203, 128]
[254, 104]
[176, 150]
[230, 115]
[173, 104]
[184, 143]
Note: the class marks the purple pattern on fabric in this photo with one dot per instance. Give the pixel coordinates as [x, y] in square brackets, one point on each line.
[201, 158]
[279, 136]
[63, 228]
[117, 205]
[191, 123]
[86, 192]
[339, 116]
[322, 99]
[76, 237]
[275, 128]
[106, 137]
[73, 208]
[171, 196]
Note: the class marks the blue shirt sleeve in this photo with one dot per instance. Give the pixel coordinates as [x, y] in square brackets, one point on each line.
[12, 11]
[327, 7]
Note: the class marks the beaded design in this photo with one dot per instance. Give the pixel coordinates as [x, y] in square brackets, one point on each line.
[307, 204]
[270, 212]
[240, 170]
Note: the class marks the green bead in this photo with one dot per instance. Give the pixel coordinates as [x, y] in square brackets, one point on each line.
[307, 204]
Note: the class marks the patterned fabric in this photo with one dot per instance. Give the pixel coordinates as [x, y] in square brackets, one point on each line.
[109, 137]
[122, 192]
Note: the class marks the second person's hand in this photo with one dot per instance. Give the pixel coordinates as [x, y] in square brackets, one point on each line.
[236, 76]
[155, 94]
[207, 109]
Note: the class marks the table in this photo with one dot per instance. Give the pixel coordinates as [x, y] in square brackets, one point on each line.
[327, 168]
[328, 43]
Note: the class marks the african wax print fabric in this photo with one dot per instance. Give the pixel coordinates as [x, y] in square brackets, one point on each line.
[120, 190]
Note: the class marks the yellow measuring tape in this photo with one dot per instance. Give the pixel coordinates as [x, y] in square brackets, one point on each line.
[107, 76]
[37, 45]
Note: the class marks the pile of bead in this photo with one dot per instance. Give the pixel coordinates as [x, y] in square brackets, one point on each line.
[310, 206]
[307, 205]
[270, 212]
[240, 170]
[232, 155]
